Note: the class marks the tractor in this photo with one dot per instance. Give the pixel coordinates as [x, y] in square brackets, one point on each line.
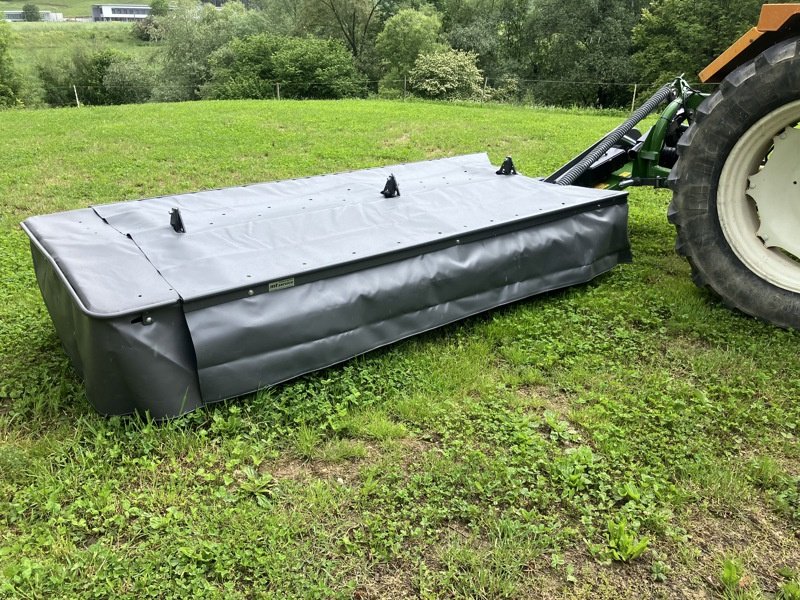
[730, 159]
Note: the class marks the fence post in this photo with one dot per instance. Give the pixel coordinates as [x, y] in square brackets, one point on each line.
[483, 94]
[278, 86]
[77, 101]
[405, 84]
[633, 102]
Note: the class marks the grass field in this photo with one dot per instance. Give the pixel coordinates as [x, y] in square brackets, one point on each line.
[69, 8]
[630, 438]
[35, 43]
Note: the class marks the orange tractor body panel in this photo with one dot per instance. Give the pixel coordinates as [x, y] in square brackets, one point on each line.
[777, 23]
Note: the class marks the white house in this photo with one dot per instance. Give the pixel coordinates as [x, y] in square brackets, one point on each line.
[120, 12]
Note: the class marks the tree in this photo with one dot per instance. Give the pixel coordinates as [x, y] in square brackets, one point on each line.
[304, 67]
[683, 36]
[57, 81]
[9, 80]
[480, 26]
[446, 75]
[88, 72]
[285, 17]
[579, 52]
[190, 34]
[30, 12]
[480, 36]
[159, 8]
[355, 21]
[405, 36]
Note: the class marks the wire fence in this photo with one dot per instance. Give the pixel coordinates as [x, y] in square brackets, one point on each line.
[505, 90]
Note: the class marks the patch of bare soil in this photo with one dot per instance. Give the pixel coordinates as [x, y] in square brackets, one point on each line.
[592, 580]
[410, 450]
[300, 470]
[387, 582]
[761, 540]
[543, 396]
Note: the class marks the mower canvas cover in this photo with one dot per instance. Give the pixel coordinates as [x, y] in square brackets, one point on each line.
[164, 310]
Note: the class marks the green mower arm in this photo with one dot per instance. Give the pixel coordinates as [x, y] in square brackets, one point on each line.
[625, 157]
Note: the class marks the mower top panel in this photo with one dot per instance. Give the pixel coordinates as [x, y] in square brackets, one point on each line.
[228, 243]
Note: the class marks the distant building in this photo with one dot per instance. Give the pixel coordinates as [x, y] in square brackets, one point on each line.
[120, 12]
[17, 16]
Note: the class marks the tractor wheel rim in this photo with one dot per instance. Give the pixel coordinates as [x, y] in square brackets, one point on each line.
[758, 198]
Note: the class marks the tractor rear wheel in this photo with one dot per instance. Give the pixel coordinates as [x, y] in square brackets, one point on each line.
[736, 200]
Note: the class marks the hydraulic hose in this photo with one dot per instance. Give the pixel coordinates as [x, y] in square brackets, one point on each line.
[570, 176]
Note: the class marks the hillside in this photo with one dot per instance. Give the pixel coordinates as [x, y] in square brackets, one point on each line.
[69, 8]
[630, 438]
[34, 43]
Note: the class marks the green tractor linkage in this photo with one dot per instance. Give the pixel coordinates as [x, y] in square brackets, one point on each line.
[625, 157]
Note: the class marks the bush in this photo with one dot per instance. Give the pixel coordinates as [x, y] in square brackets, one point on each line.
[57, 81]
[314, 68]
[447, 75]
[304, 67]
[505, 89]
[88, 71]
[9, 80]
[100, 77]
[129, 80]
[243, 69]
[147, 29]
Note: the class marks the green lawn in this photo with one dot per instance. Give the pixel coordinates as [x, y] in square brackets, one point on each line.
[628, 438]
[69, 8]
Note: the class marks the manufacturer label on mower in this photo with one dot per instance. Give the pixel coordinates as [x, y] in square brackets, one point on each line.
[281, 285]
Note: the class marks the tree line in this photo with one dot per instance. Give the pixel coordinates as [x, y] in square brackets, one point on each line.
[555, 52]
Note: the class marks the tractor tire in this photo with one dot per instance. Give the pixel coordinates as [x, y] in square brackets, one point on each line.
[723, 222]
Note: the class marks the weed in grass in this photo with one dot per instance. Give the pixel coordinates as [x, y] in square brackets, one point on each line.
[623, 544]
[415, 410]
[736, 584]
[375, 425]
[789, 573]
[258, 485]
[306, 441]
[556, 560]
[659, 571]
[789, 590]
[341, 450]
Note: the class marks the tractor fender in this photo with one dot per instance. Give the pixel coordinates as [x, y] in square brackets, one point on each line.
[777, 23]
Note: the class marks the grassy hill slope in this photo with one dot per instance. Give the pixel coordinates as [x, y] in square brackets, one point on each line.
[626, 438]
[34, 43]
[69, 8]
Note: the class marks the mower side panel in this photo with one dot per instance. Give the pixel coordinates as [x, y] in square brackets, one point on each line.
[265, 339]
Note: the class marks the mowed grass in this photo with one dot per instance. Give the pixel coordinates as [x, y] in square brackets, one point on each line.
[630, 438]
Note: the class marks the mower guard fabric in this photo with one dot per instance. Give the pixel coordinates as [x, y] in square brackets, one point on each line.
[167, 304]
